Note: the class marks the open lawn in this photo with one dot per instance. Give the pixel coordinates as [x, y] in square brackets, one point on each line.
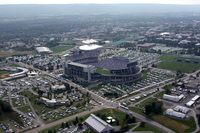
[2, 72]
[180, 126]
[61, 48]
[25, 109]
[139, 108]
[159, 95]
[174, 63]
[8, 54]
[148, 127]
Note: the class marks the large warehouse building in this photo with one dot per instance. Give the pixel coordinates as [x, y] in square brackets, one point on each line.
[83, 65]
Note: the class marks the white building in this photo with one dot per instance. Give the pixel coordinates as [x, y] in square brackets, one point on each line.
[58, 87]
[98, 125]
[190, 103]
[173, 98]
[54, 102]
[173, 113]
[182, 109]
[43, 50]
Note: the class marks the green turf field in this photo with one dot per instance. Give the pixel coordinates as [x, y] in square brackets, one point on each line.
[175, 63]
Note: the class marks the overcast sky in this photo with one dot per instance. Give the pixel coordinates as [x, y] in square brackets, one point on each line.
[98, 1]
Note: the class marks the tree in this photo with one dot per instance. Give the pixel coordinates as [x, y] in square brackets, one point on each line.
[49, 131]
[62, 125]
[77, 119]
[167, 91]
[142, 124]
[80, 125]
[158, 108]
[66, 124]
[148, 110]
[40, 93]
[198, 118]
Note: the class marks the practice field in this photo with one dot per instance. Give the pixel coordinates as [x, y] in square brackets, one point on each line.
[8, 54]
[61, 48]
[3, 72]
[175, 63]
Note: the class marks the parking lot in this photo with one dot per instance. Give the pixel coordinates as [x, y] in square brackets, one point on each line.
[143, 59]
[112, 92]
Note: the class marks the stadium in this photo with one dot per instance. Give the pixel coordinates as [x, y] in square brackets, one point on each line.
[83, 65]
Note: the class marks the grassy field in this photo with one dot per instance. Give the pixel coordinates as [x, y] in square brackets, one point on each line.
[103, 71]
[2, 72]
[25, 109]
[61, 48]
[159, 95]
[139, 107]
[39, 108]
[8, 54]
[179, 126]
[148, 127]
[174, 63]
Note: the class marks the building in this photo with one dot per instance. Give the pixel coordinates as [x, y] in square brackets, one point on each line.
[55, 88]
[176, 114]
[54, 102]
[98, 125]
[192, 101]
[84, 66]
[146, 46]
[181, 109]
[173, 98]
[43, 50]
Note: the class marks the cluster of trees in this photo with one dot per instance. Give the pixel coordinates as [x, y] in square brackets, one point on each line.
[5, 107]
[198, 118]
[153, 108]
[126, 123]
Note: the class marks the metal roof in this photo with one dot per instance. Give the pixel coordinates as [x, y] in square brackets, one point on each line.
[43, 49]
[98, 124]
[90, 47]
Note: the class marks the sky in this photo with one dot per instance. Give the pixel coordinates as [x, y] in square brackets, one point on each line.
[98, 1]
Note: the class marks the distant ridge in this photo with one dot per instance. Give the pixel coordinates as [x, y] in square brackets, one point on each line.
[92, 9]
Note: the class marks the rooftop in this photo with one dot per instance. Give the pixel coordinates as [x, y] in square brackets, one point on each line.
[89, 41]
[43, 49]
[98, 124]
[89, 47]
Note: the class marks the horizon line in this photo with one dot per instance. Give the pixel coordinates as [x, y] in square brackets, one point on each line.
[99, 4]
